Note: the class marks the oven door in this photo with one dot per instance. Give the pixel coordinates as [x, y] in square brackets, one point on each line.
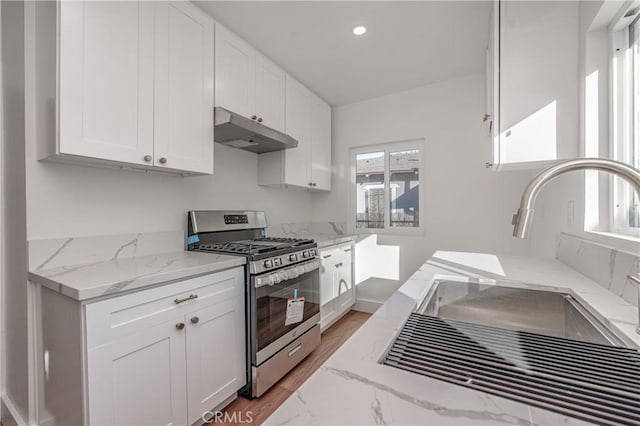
[272, 293]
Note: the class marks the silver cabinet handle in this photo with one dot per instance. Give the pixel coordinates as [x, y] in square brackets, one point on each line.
[195, 320]
[163, 160]
[326, 256]
[347, 250]
[148, 158]
[339, 264]
[260, 120]
[180, 325]
[346, 286]
[296, 349]
[186, 299]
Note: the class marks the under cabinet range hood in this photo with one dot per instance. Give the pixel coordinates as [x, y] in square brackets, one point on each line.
[240, 132]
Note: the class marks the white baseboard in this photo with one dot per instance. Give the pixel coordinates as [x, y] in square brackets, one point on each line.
[11, 415]
[367, 305]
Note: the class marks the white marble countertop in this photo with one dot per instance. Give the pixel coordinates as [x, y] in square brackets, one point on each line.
[353, 388]
[86, 281]
[326, 240]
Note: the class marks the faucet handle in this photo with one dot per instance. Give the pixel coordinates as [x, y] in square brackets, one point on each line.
[514, 219]
[634, 278]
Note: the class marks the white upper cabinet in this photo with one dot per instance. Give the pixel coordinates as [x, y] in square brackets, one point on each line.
[106, 80]
[247, 83]
[141, 95]
[320, 145]
[270, 93]
[308, 120]
[298, 126]
[532, 88]
[235, 73]
[183, 88]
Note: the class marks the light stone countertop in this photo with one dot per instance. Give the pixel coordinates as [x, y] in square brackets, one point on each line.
[327, 240]
[103, 278]
[353, 388]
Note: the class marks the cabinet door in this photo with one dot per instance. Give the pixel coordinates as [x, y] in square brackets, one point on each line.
[235, 73]
[321, 145]
[346, 289]
[269, 93]
[216, 356]
[139, 380]
[538, 90]
[183, 88]
[491, 117]
[106, 80]
[298, 125]
[328, 292]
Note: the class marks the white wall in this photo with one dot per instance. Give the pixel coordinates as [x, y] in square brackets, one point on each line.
[68, 200]
[562, 205]
[468, 206]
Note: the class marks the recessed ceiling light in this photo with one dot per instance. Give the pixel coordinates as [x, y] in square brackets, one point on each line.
[359, 30]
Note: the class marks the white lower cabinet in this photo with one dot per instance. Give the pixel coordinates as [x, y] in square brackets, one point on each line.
[337, 289]
[215, 355]
[139, 379]
[161, 356]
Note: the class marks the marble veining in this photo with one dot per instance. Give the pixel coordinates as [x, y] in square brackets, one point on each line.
[324, 233]
[118, 272]
[352, 387]
[57, 252]
[426, 404]
[607, 266]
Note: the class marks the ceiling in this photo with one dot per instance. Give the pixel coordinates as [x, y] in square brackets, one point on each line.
[407, 44]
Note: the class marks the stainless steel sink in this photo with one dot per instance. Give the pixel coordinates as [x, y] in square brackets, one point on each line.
[538, 346]
[536, 311]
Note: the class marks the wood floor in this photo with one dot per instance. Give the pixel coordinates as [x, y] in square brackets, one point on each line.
[264, 406]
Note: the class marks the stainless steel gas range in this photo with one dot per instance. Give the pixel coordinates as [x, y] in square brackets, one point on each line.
[282, 292]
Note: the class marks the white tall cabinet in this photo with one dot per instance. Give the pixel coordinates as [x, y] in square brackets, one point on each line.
[163, 355]
[532, 91]
[135, 84]
[308, 120]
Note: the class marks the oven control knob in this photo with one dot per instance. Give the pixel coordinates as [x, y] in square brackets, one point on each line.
[277, 261]
[293, 257]
[305, 254]
[268, 263]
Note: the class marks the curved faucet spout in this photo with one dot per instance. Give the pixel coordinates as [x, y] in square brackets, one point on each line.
[522, 219]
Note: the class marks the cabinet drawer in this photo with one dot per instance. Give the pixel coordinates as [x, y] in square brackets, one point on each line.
[114, 318]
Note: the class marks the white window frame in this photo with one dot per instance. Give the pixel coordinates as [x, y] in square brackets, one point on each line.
[624, 136]
[387, 148]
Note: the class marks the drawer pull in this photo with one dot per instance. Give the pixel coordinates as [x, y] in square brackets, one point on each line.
[195, 320]
[339, 264]
[347, 250]
[180, 325]
[326, 256]
[296, 349]
[186, 299]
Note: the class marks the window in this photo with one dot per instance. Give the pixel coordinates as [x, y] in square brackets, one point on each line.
[626, 203]
[386, 187]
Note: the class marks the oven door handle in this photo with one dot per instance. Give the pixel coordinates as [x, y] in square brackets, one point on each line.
[285, 274]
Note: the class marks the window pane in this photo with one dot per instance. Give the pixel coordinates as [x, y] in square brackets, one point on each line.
[370, 190]
[634, 205]
[404, 187]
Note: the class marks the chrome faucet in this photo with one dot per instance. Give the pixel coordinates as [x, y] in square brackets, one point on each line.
[522, 219]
